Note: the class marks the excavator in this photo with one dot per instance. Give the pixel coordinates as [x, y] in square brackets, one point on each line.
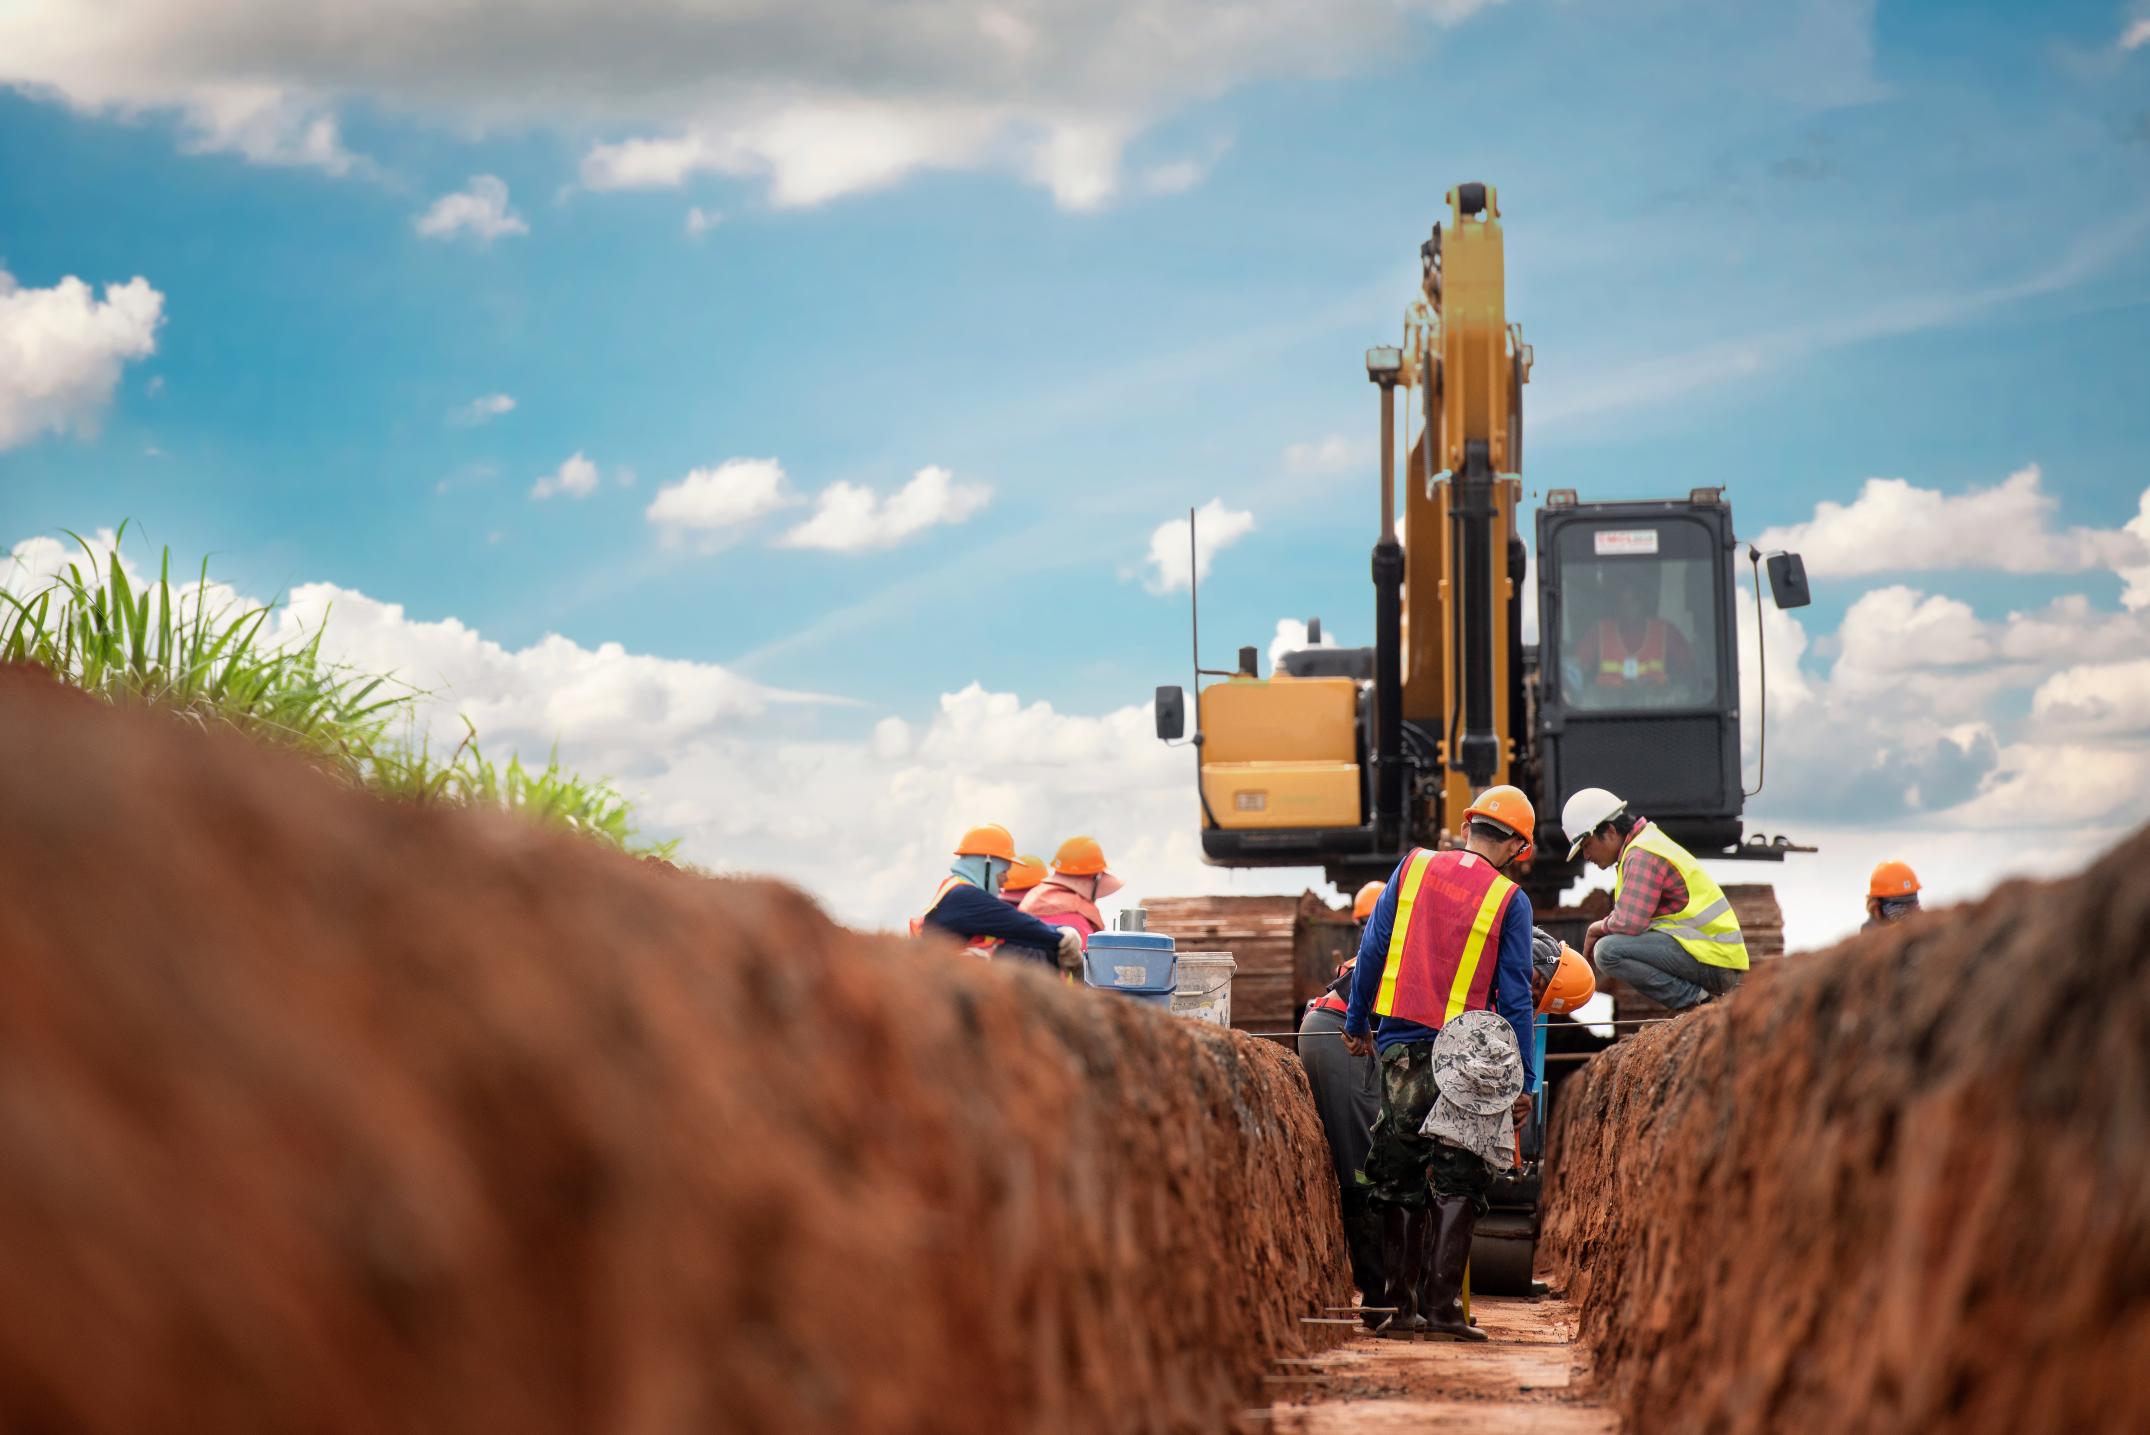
[1347, 758]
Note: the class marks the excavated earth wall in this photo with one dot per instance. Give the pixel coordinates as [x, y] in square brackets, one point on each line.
[1901, 1185]
[324, 1114]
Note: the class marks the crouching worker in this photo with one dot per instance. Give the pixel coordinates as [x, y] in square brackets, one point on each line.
[1347, 1096]
[1450, 935]
[968, 906]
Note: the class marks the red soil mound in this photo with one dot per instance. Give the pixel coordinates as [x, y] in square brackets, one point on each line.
[323, 1114]
[1901, 1185]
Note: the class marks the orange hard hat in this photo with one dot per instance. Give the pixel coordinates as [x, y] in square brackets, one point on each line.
[1027, 873]
[1080, 857]
[1507, 806]
[991, 840]
[1573, 983]
[1892, 879]
[1362, 906]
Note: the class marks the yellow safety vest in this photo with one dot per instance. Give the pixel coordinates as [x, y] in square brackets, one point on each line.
[1706, 928]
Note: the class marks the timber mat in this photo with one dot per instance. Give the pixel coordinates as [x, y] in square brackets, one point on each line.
[1899, 1185]
[325, 1114]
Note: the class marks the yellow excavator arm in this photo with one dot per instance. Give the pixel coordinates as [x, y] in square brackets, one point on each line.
[1466, 365]
[1356, 764]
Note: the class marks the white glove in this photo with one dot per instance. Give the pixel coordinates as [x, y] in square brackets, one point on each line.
[1070, 948]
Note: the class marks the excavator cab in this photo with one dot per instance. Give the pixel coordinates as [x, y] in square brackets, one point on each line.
[1638, 660]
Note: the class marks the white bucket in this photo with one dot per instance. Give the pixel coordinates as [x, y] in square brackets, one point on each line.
[1205, 987]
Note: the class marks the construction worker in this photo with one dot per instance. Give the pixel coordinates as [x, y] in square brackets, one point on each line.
[1449, 935]
[1633, 654]
[1560, 980]
[1672, 934]
[967, 907]
[1068, 895]
[1346, 1087]
[1892, 894]
[1024, 875]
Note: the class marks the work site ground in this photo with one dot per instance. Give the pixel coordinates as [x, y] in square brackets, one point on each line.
[347, 1116]
[1528, 1378]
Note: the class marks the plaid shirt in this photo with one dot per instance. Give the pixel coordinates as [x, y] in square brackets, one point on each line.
[1649, 887]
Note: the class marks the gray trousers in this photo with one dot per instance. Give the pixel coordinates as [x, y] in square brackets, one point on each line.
[1347, 1092]
[1660, 968]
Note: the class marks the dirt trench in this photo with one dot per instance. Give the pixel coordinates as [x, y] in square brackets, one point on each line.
[1902, 1185]
[324, 1114]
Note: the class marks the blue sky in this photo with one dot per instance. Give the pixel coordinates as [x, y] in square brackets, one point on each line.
[1784, 247]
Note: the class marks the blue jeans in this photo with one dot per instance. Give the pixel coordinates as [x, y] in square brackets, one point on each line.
[1659, 968]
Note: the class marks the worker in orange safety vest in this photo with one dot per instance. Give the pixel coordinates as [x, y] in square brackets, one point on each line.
[1069, 895]
[1450, 935]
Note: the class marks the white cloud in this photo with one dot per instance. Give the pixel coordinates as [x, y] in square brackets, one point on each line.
[700, 221]
[2096, 699]
[850, 519]
[735, 768]
[2136, 35]
[818, 100]
[62, 348]
[1177, 176]
[1894, 527]
[265, 125]
[1328, 456]
[1216, 529]
[576, 477]
[480, 210]
[1291, 637]
[482, 410]
[2136, 576]
[709, 504]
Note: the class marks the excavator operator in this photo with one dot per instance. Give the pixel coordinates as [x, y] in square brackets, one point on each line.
[1632, 654]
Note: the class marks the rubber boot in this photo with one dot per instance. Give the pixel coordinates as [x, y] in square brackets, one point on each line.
[1362, 1239]
[1393, 1300]
[1416, 1243]
[1440, 1290]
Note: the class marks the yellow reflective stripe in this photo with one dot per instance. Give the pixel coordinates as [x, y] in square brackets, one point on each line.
[1474, 948]
[1413, 875]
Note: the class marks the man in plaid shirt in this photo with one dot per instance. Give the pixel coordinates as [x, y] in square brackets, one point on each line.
[1671, 935]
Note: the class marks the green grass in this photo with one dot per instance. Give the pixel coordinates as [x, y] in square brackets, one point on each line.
[171, 647]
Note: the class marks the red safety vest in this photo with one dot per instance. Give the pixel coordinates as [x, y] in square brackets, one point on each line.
[1445, 943]
[982, 946]
[1619, 667]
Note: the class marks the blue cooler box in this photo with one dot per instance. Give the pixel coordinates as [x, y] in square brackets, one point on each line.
[1137, 964]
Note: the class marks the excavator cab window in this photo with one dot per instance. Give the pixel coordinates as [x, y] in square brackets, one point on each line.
[1638, 619]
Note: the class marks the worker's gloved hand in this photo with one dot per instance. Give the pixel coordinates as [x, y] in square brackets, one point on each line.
[1070, 949]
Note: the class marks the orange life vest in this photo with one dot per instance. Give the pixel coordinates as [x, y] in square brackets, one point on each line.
[1445, 943]
[1619, 666]
[978, 946]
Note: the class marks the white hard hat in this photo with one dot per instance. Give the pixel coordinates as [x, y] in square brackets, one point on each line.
[1585, 812]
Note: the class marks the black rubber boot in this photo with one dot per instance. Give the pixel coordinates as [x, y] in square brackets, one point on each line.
[1440, 1289]
[1362, 1238]
[1418, 1236]
[1391, 1306]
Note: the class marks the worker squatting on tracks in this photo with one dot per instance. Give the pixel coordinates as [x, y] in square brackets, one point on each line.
[968, 907]
[1672, 934]
[1346, 1087]
[1449, 935]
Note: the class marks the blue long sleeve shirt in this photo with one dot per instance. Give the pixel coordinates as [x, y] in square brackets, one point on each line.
[1511, 979]
[968, 912]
